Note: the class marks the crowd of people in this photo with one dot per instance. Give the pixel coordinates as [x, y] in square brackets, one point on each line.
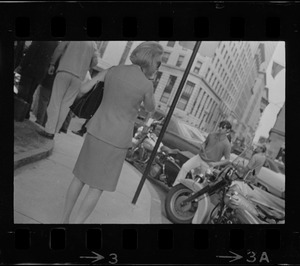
[60, 70]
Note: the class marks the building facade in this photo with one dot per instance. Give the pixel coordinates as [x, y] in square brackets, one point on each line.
[276, 140]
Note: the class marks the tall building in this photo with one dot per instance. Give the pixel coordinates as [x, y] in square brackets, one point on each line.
[276, 138]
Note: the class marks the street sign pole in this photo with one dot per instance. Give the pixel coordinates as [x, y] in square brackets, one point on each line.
[167, 120]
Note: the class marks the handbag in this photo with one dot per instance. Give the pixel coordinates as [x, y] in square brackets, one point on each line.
[87, 105]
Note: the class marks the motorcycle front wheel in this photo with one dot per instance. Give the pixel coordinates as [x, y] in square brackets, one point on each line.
[176, 212]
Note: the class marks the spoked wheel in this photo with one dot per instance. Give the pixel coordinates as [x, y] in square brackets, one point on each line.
[176, 211]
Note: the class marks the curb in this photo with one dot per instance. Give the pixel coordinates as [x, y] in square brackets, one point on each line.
[33, 155]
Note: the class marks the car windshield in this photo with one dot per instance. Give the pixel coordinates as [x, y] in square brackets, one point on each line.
[173, 128]
[191, 132]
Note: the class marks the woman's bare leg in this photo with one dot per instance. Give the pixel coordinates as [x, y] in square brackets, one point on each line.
[71, 198]
[88, 204]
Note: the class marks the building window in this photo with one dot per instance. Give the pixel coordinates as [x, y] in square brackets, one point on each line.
[222, 93]
[225, 55]
[214, 57]
[208, 107]
[207, 73]
[185, 96]
[165, 57]
[197, 67]
[214, 82]
[211, 76]
[217, 86]
[223, 48]
[194, 104]
[212, 111]
[227, 60]
[170, 44]
[168, 89]
[180, 60]
[157, 79]
[203, 108]
[220, 67]
[199, 105]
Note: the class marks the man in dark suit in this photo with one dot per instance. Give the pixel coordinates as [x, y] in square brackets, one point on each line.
[33, 68]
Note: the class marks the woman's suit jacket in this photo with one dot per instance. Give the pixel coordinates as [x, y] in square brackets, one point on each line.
[124, 90]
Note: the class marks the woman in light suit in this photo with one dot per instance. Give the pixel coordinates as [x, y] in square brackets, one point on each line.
[110, 130]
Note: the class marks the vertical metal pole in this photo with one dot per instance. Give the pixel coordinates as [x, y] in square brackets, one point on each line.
[167, 120]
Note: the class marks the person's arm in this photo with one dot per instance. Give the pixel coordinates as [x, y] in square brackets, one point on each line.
[149, 101]
[94, 61]
[250, 165]
[87, 86]
[204, 144]
[59, 50]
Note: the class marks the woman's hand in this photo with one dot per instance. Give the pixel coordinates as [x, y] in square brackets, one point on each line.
[51, 69]
[87, 86]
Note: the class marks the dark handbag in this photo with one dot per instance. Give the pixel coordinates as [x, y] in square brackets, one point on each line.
[87, 105]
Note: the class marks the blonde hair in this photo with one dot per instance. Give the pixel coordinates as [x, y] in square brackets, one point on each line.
[144, 54]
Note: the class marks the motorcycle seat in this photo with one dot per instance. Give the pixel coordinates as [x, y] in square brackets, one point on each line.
[267, 213]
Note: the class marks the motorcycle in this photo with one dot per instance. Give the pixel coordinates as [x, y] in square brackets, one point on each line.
[143, 144]
[213, 200]
[164, 167]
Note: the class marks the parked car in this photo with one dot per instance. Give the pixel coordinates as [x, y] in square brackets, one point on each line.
[179, 135]
[270, 178]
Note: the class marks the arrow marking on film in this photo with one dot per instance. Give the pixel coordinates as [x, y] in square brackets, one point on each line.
[98, 257]
[235, 257]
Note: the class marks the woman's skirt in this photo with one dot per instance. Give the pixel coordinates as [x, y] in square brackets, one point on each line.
[99, 164]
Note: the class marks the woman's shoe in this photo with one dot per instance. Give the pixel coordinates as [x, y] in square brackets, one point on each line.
[45, 134]
[63, 131]
[79, 132]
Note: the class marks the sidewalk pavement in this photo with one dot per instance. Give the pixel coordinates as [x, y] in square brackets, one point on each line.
[29, 146]
[40, 186]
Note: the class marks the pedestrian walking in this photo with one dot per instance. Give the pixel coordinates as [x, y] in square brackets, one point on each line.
[110, 130]
[33, 68]
[77, 57]
[210, 153]
[45, 88]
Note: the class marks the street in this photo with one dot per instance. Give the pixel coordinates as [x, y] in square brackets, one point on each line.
[40, 188]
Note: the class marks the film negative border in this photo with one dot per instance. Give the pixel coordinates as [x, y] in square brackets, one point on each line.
[116, 21]
[152, 244]
[148, 244]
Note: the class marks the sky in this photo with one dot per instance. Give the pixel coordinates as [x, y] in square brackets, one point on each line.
[276, 93]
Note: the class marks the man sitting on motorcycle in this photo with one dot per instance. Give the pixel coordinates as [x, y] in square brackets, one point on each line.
[256, 163]
[240, 193]
[210, 153]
